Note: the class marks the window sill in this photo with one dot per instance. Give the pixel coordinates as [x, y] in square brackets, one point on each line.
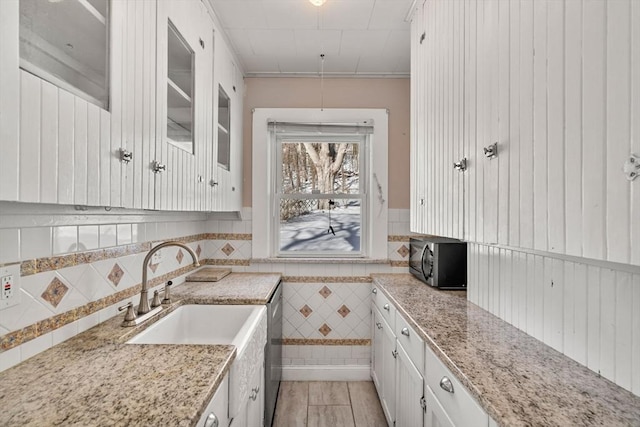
[293, 260]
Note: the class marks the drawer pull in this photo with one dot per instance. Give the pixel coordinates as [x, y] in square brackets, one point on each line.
[211, 420]
[405, 331]
[386, 307]
[446, 384]
[374, 291]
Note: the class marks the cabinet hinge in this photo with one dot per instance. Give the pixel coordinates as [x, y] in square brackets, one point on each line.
[423, 404]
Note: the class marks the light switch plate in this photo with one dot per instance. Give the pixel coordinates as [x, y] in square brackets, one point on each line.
[10, 281]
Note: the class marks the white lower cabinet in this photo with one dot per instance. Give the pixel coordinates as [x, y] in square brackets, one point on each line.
[218, 408]
[251, 413]
[409, 385]
[384, 365]
[449, 395]
[415, 388]
[434, 414]
[398, 381]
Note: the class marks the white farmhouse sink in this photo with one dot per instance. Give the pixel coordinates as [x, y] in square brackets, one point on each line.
[204, 324]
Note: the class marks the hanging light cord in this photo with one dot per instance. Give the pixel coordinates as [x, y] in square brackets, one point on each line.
[322, 82]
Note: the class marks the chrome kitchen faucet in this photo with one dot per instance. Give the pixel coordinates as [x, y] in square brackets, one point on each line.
[144, 308]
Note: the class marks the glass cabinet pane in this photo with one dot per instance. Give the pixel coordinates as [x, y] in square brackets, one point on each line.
[224, 131]
[179, 91]
[66, 43]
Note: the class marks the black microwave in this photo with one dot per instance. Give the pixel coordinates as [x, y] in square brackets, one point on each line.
[439, 261]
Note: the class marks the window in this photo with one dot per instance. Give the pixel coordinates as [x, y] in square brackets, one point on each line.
[319, 188]
[319, 183]
[66, 43]
[179, 91]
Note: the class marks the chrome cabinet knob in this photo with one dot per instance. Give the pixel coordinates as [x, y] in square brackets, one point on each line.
[374, 291]
[405, 331]
[158, 167]
[211, 421]
[446, 384]
[125, 156]
[461, 165]
[386, 307]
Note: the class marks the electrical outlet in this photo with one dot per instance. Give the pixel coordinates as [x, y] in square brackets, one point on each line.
[9, 285]
[6, 287]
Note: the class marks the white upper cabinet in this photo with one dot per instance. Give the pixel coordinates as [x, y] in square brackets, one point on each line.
[552, 85]
[113, 103]
[229, 85]
[9, 100]
[438, 114]
[55, 104]
[184, 70]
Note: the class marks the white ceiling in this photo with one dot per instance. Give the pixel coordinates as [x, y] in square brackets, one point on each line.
[286, 37]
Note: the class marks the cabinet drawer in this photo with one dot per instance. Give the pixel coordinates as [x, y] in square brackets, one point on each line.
[410, 341]
[387, 309]
[458, 404]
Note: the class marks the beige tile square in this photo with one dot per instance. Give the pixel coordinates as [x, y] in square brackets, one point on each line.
[367, 411]
[291, 409]
[328, 393]
[330, 416]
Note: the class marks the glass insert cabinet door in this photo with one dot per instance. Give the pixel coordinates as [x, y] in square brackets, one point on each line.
[67, 44]
[180, 82]
[224, 129]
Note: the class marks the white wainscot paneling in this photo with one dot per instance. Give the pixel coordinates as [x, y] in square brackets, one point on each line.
[589, 312]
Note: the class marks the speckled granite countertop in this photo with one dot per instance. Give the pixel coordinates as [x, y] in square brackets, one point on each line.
[236, 288]
[517, 379]
[96, 378]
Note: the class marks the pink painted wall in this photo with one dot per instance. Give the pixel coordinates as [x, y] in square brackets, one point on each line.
[392, 94]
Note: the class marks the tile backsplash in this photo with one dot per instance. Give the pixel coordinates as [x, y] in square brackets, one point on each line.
[76, 271]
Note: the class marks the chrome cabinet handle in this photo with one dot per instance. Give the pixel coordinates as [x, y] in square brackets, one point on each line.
[386, 307]
[446, 384]
[374, 291]
[405, 331]
[211, 421]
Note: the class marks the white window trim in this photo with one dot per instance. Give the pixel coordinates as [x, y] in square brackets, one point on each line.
[263, 153]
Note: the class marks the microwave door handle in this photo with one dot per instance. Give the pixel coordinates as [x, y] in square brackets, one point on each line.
[424, 249]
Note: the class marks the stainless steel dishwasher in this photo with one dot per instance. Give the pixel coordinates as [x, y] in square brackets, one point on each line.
[273, 355]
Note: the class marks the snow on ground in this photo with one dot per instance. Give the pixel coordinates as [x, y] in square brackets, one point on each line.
[310, 232]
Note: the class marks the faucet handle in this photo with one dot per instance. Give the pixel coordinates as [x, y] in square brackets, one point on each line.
[130, 315]
[167, 293]
[156, 299]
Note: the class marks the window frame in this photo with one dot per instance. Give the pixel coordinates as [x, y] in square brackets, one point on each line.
[362, 195]
[264, 170]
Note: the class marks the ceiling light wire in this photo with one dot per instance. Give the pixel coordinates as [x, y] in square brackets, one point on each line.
[322, 82]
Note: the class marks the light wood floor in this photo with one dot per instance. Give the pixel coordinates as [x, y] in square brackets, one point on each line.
[328, 404]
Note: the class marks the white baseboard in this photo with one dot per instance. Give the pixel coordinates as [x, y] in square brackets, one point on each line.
[326, 373]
